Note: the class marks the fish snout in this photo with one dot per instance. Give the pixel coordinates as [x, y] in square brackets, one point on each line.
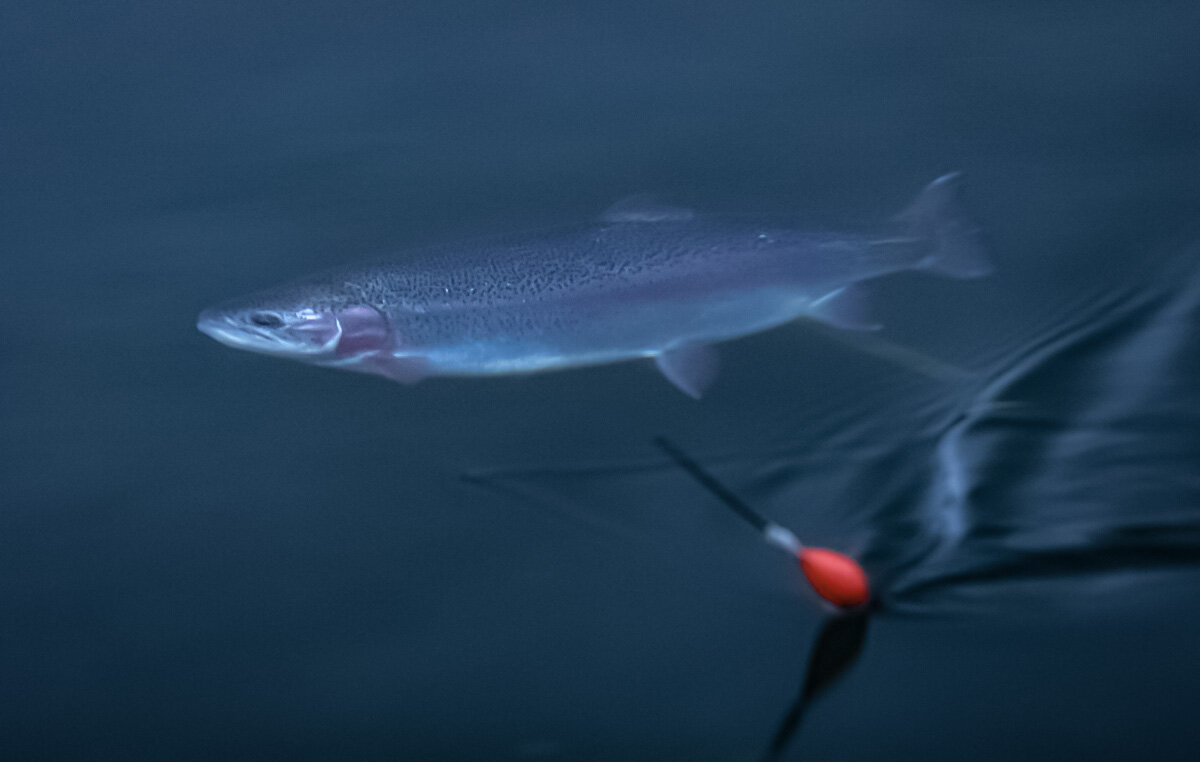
[306, 334]
[214, 323]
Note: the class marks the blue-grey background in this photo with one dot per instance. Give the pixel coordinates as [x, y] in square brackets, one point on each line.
[210, 555]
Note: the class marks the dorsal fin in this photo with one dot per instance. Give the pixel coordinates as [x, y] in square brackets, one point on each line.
[937, 217]
[645, 208]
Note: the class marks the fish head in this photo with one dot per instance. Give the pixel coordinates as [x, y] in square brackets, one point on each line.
[297, 329]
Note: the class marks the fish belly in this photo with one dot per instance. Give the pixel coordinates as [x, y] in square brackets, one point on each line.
[589, 331]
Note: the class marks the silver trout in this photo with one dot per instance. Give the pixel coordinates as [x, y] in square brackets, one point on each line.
[644, 281]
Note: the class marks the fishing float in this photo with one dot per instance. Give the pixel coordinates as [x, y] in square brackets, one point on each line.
[834, 576]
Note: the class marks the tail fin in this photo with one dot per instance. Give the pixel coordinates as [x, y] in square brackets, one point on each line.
[937, 217]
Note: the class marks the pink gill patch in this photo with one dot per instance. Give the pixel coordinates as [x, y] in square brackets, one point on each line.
[364, 329]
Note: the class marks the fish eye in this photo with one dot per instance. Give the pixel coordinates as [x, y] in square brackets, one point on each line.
[266, 320]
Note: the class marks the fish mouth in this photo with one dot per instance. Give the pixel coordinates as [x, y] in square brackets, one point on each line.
[219, 327]
[238, 334]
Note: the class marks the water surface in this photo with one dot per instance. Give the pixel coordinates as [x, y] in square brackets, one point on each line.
[207, 554]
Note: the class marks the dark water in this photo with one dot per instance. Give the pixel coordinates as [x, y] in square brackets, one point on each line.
[210, 555]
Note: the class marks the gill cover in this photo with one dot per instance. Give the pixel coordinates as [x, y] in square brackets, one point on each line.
[361, 329]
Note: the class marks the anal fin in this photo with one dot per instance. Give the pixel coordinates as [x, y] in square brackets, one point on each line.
[844, 308]
[690, 367]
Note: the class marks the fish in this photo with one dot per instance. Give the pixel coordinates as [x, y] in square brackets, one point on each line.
[645, 280]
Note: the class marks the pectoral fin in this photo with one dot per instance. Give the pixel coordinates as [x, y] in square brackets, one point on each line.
[406, 370]
[844, 308]
[691, 367]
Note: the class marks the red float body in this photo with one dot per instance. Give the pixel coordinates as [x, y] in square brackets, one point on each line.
[835, 576]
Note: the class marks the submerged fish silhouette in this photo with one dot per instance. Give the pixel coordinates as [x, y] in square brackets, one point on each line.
[644, 281]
